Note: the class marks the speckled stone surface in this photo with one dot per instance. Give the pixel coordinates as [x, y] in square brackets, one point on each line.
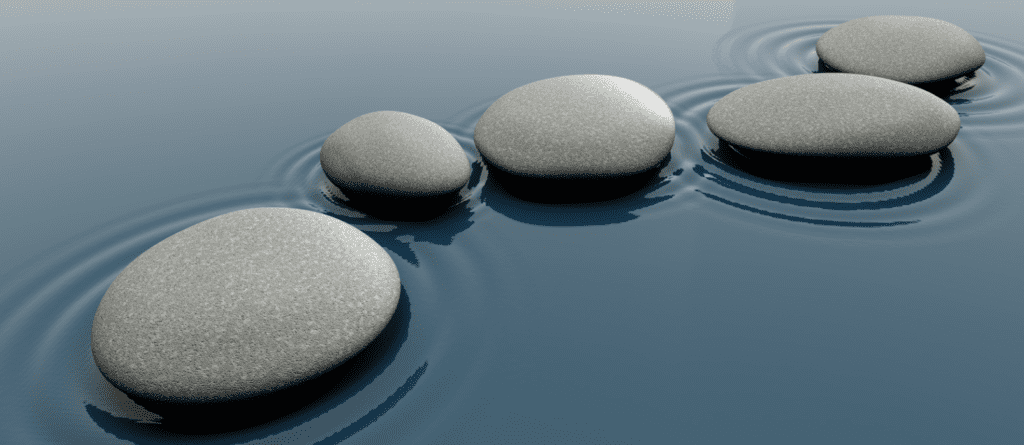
[576, 126]
[904, 48]
[241, 305]
[395, 154]
[835, 114]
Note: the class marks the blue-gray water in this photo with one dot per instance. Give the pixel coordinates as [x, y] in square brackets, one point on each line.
[711, 307]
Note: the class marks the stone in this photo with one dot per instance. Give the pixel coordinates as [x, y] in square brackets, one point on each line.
[834, 114]
[394, 154]
[577, 126]
[242, 305]
[908, 49]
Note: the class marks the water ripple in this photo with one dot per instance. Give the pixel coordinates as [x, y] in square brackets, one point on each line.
[995, 104]
[771, 50]
[943, 201]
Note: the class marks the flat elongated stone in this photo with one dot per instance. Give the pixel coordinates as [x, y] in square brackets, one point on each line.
[242, 305]
[395, 154]
[834, 114]
[578, 126]
[904, 48]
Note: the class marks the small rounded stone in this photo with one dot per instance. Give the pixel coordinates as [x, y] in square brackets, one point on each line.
[242, 305]
[577, 126]
[904, 48]
[395, 154]
[834, 114]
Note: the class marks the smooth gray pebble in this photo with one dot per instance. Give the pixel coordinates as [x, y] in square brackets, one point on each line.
[834, 114]
[585, 125]
[908, 49]
[241, 305]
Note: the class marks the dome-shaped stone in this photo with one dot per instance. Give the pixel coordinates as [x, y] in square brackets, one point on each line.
[904, 48]
[394, 154]
[834, 114]
[576, 126]
[242, 305]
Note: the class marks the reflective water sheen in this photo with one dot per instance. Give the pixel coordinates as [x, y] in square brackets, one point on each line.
[731, 300]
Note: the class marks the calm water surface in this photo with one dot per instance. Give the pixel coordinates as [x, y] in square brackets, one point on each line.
[713, 306]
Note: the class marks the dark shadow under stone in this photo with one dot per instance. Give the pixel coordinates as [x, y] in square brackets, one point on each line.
[826, 171]
[941, 88]
[350, 376]
[568, 189]
[388, 206]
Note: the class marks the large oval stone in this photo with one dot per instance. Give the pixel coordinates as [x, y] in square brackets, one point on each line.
[578, 126]
[834, 114]
[394, 154]
[904, 48]
[241, 305]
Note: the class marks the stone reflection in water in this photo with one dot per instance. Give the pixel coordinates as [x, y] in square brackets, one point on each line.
[825, 171]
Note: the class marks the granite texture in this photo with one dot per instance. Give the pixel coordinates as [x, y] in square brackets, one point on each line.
[903, 48]
[391, 153]
[834, 114]
[241, 305]
[576, 126]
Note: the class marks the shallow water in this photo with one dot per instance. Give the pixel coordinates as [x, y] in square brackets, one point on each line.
[713, 306]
